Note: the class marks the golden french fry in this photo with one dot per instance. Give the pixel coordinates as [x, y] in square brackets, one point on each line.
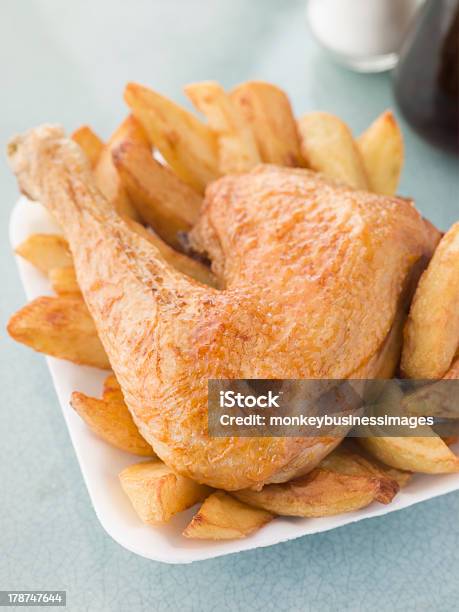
[112, 390]
[188, 145]
[436, 399]
[105, 172]
[61, 327]
[111, 420]
[160, 197]
[237, 147]
[343, 482]
[401, 477]
[426, 452]
[221, 517]
[429, 455]
[182, 262]
[431, 336]
[51, 254]
[381, 148]
[64, 281]
[45, 251]
[267, 109]
[327, 146]
[157, 493]
[91, 144]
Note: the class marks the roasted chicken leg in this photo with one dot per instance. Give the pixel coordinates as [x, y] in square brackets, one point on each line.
[313, 274]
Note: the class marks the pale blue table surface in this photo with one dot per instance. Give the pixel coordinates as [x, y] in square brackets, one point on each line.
[67, 62]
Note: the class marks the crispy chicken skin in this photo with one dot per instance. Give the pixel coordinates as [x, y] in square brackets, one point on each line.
[313, 273]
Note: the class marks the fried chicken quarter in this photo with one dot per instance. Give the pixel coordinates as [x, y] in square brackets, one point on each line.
[313, 275]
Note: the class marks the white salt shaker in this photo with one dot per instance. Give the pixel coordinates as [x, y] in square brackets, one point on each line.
[364, 35]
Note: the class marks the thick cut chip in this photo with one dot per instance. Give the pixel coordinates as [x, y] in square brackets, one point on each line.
[431, 336]
[327, 146]
[110, 419]
[381, 147]
[429, 455]
[59, 326]
[438, 399]
[221, 517]
[64, 281]
[91, 144]
[419, 450]
[268, 110]
[402, 477]
[112, 390]
[343, 482]
[157, 493]
[105, 172]
[188, 145]
[46, 251]
[237, 147]
[162, 200]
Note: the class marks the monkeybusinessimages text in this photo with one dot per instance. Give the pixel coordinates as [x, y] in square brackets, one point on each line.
[231, 399]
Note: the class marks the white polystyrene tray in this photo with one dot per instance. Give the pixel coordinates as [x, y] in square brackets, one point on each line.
[100, 463]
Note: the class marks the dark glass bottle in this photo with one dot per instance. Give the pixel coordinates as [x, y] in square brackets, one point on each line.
[426, 80]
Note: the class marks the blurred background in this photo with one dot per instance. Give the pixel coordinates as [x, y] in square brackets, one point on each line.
[67, 62]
